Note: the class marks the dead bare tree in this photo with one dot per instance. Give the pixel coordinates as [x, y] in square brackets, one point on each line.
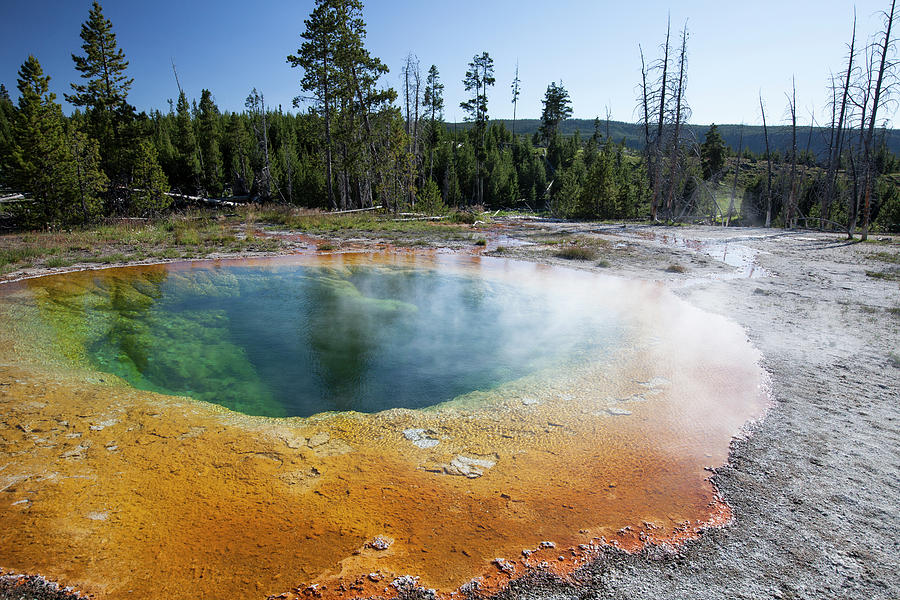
[412, 83]
[837, 135]
[680, 109]
[645, 102]
[790, 218]
[737, 170]
[869, 155]
[762, 109]
[657, 177]
[644, 106]
[860, 101]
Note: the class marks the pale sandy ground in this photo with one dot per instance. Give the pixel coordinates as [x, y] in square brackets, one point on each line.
[816, 489]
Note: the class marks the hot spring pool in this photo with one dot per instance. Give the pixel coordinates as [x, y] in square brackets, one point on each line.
[245, 427]
[285, 340]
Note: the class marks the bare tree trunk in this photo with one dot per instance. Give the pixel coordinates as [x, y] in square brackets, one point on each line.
[870, 158]
[679, 96]
[762, 110]
[608, 115]
[657, 183]
[806, 155]
[859, 163]
[737, 170]
[834, 158]
[515, 100]
[790, 217]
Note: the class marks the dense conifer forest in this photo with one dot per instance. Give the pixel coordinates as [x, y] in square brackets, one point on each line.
[352, 142]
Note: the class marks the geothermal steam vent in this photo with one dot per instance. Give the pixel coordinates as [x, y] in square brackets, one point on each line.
[247, 427]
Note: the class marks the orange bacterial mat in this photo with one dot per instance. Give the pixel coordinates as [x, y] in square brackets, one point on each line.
[125, 493]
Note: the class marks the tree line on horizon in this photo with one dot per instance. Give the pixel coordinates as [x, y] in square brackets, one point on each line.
[359, 144]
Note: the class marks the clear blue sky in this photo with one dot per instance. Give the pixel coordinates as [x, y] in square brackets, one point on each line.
[735, 48]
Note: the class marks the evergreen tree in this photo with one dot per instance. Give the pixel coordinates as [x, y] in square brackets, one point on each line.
[208, 141]
[434, 107]
[477, 80]
[187, 173]
[712, 153]
[105, 91]
[148, 181]
[60, 170]
[7, 123]
[90, 181]
[317, 56]
[557, 108]
[237, 148]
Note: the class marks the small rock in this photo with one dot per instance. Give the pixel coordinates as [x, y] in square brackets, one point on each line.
[505, 565]
[467, 466]
[617, 411]
[405, 582]
[376, 577]
[529, 401]
[380, 543]
[103, 425]
[293, 441]
[318, 439]
[421, 438]
[548, 545]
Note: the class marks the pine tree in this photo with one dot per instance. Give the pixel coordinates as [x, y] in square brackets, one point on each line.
[712, 153]
[7, 122]
[90, 180]
[105, 91]
[208, 141]
[41, 163]
[434, 106]
[148, 181]
[187, 173]
[479, 76]
[557, 108]
[317, 56]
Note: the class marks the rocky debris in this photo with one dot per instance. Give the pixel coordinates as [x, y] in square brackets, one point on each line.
[302, 478]
[98, 515]
[421, 438]
[318, 439]
[530, 401]
[654, 382]
[34, 587]
[467, 466]
[632, 398]
[616, 411]
[103, 424]
[292, 440]
[470, 588]
[77, 453]
[324, 445]
[504, 565]
[375, 577]
[405, 583]
[380, 543]
[548, 545]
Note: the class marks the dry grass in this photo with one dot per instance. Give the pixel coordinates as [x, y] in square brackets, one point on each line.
[188, 235]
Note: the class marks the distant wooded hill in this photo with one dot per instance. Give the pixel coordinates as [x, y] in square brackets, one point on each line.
[779, 136]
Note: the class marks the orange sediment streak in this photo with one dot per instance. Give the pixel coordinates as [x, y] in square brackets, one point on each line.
[125, 493]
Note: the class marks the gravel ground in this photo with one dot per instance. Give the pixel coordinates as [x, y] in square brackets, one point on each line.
[816, 488]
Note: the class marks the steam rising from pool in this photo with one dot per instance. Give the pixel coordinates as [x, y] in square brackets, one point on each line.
[296, 340]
